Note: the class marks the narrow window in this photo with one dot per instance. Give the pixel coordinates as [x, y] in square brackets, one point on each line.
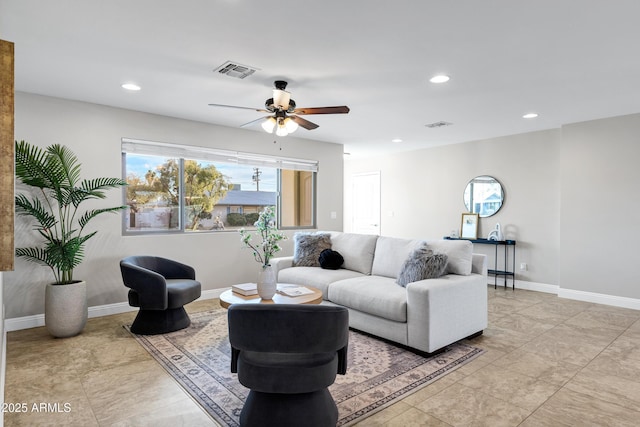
[297, 189]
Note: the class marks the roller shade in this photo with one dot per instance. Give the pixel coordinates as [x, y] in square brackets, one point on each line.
[152, 148]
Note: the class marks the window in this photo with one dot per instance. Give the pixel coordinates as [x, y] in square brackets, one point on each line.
[175, 188]
[296, 198]
[152, 193]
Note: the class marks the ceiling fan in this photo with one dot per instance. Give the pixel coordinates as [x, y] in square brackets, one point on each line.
[285, 117]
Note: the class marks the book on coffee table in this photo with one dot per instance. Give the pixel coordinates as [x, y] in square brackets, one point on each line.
[293, 290]
[246, 289]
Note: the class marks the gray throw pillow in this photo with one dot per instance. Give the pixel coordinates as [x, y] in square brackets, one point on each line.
[307, 248]
[422, 264]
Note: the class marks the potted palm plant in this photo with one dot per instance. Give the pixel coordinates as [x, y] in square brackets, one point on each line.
[56, 193]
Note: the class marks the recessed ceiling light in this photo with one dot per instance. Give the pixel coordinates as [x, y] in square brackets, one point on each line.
[131, 86]
[530, 116]
[440, 78]
[396, 140]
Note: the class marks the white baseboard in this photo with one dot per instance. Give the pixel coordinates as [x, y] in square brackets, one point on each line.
[36, 320]
[616, 301]
[538, 287]
[212, 293]
[25, 322]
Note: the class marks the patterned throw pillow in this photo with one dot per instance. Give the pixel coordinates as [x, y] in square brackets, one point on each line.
[307, 248]
[422, 264]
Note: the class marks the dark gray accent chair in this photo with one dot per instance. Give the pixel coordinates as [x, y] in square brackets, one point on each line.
[160, 287]
[287, 355]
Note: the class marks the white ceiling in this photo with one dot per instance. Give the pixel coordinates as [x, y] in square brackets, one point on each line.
[568, 60]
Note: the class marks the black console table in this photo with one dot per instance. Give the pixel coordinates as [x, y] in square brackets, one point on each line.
[495, 272]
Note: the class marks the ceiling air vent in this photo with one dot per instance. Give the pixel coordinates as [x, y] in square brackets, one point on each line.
[233, 69]
[438, 124]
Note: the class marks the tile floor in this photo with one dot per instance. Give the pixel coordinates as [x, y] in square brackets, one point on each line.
[549, 362]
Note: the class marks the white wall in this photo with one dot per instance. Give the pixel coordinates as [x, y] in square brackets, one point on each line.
[572, 202]
[94, 133]
[600, 220]
[423, 189]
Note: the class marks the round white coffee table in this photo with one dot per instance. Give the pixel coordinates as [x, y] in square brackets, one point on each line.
[229, 297]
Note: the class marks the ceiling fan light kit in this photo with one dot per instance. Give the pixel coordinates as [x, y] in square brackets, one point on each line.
[281, 130]
[290, 125]
[269, 124]
[280, 99]
[281, 105]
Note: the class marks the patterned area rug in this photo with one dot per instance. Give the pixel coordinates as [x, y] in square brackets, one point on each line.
[378, 373]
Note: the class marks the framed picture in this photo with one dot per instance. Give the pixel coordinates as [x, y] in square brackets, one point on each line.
[469, 227]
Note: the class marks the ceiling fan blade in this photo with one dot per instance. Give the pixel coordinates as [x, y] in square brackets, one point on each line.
[304, 122]
[260, 110]
[254, 121]
[343, 109]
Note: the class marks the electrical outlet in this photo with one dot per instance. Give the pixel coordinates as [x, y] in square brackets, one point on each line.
[524, 266]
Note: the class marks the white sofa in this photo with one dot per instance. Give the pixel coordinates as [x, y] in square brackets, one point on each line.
[426, 315]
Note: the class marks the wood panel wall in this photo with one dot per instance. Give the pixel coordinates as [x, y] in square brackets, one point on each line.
[7, 155]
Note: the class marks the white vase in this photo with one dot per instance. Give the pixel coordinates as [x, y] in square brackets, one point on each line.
[266, 282]
[65, 309]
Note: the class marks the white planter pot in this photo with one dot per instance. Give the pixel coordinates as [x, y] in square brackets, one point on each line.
[266, 282]
[65, 309]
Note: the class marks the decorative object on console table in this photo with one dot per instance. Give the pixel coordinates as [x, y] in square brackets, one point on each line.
[469, 227]
[495, 272]
[496, 233]
[266, 228]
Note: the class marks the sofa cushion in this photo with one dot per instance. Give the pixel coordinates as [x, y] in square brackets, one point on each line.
[307, 248]
[314, 276]
[422, 264]
[356, 249]
[459, 254]
[376, 295]
[391, 252]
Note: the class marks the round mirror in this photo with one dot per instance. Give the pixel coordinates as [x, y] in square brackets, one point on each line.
[484, 195]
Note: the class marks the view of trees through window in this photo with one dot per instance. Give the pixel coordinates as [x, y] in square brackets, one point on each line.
[178, 194]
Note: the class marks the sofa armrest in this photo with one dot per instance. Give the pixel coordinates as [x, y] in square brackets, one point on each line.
[444, 310]
[479, 264]
[280, 263]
